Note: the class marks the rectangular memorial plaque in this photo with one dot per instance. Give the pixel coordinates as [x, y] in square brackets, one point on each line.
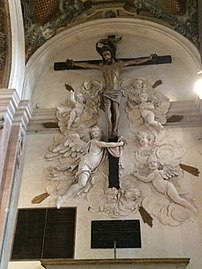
[44, 233]
[123, 233]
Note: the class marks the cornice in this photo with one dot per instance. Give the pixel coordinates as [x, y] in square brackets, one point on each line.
[13, 109]
[190, 112]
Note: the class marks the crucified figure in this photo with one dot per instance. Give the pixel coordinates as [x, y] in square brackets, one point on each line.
[111, 69]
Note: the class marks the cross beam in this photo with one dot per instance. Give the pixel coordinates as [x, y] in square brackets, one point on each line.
[164, 59]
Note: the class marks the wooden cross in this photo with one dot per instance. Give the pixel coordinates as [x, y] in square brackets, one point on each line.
[59, 66]
[107, 49]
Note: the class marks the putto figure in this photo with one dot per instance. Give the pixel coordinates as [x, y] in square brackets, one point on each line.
[111, 69]
[77, 100]
[148, 115]
[92, 156]
[163, 186]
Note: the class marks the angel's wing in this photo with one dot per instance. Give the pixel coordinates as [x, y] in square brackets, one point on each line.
[67, 150]
[161, 104]
[169, 172]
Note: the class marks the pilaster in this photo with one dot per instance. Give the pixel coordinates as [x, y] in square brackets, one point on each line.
[15, 115]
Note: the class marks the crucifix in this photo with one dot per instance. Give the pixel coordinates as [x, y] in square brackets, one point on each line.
[111, 68]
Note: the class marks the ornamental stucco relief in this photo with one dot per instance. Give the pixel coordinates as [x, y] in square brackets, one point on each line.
[149, 172]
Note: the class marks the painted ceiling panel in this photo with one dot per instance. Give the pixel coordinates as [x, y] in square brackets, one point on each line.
[45, 10]
[44, 19]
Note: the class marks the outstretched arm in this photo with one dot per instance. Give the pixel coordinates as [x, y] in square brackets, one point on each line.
[71, 63]
[72, 94]
[152, 57]
[144, 178]
[72, 98]
[103, 144]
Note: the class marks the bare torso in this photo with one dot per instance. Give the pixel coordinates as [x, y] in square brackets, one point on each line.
[111, 75]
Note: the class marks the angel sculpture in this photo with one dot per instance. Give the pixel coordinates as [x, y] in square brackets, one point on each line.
[163, 186]
[92, 155]
[146, 111]
[144, 143]
[145, 104]
[110, 206]
[81, 107]
[77, 100]
[130, 199]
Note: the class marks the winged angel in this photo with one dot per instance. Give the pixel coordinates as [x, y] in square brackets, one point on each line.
[159, 174]
[81, 167]
[145, 105]
[78, 160]
[80, 108]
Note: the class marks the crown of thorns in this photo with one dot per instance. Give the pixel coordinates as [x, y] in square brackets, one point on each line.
[106, 45]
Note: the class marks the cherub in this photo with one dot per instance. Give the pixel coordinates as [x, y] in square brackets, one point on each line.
[111, 205]
[163, 186]
[144, 145]
[130, 199]
[92, 157]
[77, 99]
[148, 115]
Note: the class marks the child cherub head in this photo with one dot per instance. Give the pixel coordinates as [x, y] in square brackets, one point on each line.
[79, 97]
[112, 195]
[140, 83]
[152, 162]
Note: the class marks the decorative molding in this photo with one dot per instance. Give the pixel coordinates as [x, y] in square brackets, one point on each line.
[14, 110]
[23, 114]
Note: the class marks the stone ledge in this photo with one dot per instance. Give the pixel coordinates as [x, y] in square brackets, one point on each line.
[190, 110]
[139, 263]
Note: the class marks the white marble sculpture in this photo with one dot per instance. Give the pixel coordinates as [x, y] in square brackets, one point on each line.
[155, 177]
[146, 111]
[145, 105]
[111, 201]
[150, 174]
[91, 155]
[80, 108]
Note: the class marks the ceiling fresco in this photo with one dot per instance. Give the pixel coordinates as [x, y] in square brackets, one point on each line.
[44, 19]
[5, 44]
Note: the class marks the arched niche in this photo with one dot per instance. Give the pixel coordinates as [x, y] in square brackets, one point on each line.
[17, 72]
[45, 87]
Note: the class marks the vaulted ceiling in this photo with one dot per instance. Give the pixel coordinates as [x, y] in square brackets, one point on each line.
[44, 19]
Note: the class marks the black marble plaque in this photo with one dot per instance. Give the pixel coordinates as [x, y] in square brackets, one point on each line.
[122, 233]
[44, 233]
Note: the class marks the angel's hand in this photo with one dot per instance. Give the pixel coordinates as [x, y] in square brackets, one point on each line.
[122, 139]
[69, 63]
[121, 143]
[153, 57]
